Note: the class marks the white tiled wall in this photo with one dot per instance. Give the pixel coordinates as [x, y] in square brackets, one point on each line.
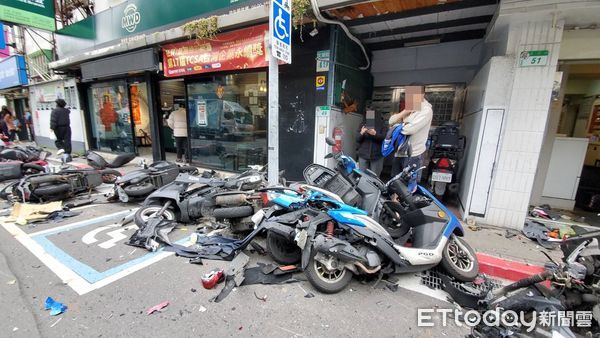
[526, 119]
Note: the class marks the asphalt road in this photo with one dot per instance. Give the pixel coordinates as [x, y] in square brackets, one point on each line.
[118, 309]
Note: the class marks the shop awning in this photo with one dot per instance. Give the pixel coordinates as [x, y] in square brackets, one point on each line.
[396, 24]
[129, 63]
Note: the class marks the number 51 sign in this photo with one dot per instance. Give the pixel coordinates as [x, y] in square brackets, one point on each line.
[533, 58]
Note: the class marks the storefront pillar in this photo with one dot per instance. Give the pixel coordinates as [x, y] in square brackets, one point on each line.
[158, 151]
[526, 120]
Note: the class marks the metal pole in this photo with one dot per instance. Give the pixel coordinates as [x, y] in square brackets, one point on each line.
[273, 121]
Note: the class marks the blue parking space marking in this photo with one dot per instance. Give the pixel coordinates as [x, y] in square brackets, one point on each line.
[88, 273]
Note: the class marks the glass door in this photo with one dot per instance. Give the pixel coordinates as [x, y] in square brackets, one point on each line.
[111, 121]
[227, 120]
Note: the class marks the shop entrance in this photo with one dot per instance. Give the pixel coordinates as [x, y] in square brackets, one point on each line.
[571, 151]
[119, 116]
[172, 96]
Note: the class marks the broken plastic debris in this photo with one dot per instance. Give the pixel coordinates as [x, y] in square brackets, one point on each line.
[202, 309]
[11, 282]
[157, 307]
[263, 298]
[55, 307]
[212, 278]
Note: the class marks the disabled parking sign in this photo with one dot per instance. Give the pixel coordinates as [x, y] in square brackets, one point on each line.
[280, 27]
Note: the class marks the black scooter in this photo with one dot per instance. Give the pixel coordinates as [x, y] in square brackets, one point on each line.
[140, 183]
[65, 184]
[190, 198]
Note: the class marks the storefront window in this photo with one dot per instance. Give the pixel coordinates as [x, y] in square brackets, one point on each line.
[110, 117]
[227, 120]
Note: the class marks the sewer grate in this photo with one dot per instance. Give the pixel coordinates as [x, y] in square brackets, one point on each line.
[433, 279]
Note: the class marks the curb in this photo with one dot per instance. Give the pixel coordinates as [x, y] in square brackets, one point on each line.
[506, 269]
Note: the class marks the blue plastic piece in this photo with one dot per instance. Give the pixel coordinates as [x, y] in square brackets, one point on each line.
[453, 223]
[393, 141]
[345, 217]
[55, 307]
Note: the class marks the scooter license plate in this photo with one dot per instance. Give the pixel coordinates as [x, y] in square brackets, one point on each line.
[438, 176]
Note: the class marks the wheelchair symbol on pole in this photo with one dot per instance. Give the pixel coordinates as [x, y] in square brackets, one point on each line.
[279, 26]
[281, 30]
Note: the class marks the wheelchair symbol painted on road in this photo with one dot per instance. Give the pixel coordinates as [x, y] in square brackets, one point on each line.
[115, 235]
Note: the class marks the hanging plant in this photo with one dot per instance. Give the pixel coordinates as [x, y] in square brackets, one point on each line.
[205, 28]
[300, 9]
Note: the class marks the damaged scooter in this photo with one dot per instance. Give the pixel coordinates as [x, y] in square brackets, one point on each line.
[138, 184]
[41, 188]
[338, 240]
[189, 198]
[574, 286]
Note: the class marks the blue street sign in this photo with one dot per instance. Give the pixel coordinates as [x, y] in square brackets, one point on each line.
[281, 30]
[2, 42]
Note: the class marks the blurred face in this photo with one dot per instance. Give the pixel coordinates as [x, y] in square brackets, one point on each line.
[414, 97]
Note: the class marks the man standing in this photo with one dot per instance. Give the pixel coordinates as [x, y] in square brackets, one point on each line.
[417, 119]
[60, 123]
[178, 122]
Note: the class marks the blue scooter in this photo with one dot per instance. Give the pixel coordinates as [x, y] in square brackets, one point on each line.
[335, 240]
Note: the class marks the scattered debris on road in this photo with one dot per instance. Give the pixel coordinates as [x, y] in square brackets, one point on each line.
[157, 307]
[55, 307]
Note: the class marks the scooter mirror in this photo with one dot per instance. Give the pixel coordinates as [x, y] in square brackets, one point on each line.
[330, 141]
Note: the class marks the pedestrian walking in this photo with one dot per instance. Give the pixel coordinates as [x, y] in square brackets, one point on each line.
[370, 136]
[178, 122]
[60, 123]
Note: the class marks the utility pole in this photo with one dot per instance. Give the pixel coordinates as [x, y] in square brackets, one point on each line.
[273, 121]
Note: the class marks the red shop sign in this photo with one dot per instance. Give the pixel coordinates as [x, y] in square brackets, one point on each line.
[240, 49]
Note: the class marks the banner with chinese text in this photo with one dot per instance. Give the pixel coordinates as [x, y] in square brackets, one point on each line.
[240, 49]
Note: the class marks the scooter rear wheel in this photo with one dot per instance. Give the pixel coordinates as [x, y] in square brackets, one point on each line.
[457, 262]
[138, 190]
[282, 250]
[325, 280]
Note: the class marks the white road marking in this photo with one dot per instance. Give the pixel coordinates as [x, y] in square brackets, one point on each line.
[90, 237]
[116, 236]
[68, 276]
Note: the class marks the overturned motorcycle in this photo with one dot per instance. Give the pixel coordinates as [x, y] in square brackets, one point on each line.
[336, 241]
[356, 224]
[140, 183]
[233, 201]
[574, 288]
[57, 186]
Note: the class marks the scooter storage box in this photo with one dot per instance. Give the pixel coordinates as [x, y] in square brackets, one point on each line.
[10, 170]
[341, 187]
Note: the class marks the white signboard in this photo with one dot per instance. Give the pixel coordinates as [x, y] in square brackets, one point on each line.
[533, 58]
[201, 114]
[323, 61]
[280, 27]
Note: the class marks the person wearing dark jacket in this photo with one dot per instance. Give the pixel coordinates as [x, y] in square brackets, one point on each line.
[60, 123]
[369, 145]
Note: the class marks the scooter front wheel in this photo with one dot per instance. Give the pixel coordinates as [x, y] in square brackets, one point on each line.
[327, 279]
[459, 260]
[144, 213]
